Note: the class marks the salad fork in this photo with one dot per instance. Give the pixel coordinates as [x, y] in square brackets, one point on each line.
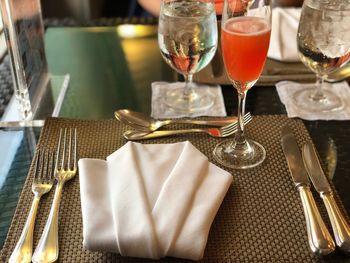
[42, 184]
[48, 249]
[221, 132]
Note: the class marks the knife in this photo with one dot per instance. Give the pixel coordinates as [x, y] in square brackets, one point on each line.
[340, 225]
[320, 240]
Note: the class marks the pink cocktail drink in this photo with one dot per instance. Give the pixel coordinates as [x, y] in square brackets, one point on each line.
[245, 38]
[245, 42]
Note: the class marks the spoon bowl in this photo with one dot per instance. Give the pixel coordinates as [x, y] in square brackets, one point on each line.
[138, 120]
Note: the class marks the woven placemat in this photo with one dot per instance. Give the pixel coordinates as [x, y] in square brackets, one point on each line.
[260, 220]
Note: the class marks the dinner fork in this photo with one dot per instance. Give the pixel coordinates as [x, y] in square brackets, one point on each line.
[223, 131]
[42, 184]
[47, 249]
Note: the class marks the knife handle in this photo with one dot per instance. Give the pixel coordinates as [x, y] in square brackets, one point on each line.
[341, 227]
[320, 240]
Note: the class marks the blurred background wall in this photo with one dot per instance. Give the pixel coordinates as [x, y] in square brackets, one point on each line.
[89, 9]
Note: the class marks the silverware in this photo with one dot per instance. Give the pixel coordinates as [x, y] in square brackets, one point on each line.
[141, 121]
[320, 240]
[42, 184]
[47, 249]
[340, 225]
[214, 132]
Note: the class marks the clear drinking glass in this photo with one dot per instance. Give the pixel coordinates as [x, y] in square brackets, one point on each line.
[324, 46]
[187, 37]
[245, 38]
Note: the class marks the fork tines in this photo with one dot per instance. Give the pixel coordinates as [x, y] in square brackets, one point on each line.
[62, 150]
[44, 166]
[232, 126]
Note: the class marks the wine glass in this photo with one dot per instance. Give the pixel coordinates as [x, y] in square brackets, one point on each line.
[245, 38]
[187, 37]
[324, 46]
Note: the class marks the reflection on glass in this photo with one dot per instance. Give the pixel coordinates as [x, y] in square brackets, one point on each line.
[24, 31]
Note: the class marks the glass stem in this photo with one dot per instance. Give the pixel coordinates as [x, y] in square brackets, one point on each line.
[318, 95]
[188, 86]
[240, 141]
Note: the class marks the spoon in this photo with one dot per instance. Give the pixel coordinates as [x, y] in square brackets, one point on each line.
[143, 122]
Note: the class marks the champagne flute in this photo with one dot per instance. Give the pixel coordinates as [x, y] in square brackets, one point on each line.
[245, 38]
[324, 46]
[187, 37]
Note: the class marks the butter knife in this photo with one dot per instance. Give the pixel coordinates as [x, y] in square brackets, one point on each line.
[320, 240]
[340, 225]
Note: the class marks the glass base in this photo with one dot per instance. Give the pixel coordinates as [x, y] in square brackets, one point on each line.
[226, 155]
[305, 100]
[196, 101]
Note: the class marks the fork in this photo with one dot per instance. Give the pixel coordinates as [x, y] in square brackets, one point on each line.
[48, 249]
[42, 184]
[221, 132]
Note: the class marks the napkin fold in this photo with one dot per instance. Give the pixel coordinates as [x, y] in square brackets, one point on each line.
[151, 201]
[286, 90]
[283, 43]
[161, 111]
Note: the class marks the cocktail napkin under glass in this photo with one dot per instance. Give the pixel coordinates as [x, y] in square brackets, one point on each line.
[151, 200]
[161, 111]
[283, 43]
[286, 89]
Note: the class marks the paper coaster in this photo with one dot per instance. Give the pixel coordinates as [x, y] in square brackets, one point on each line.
[160, 110]
[286, 90]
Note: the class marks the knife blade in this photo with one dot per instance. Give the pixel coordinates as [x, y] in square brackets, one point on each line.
[340, 225]
[319, 238]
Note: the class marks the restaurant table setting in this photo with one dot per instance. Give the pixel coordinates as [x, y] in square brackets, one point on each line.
[253, 191]
[260, 218]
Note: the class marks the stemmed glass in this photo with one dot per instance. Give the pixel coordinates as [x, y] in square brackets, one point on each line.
[324, 46]
[187, 37]
[245, 38]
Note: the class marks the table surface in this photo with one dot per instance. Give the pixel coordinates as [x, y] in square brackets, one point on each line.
[111, 68]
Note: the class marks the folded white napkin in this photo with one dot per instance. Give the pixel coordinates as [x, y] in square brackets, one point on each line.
[161, 111]
[283, 43]
[151, 201]
[286, 90]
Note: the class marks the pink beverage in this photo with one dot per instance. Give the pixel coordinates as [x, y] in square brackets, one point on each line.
[245, 42]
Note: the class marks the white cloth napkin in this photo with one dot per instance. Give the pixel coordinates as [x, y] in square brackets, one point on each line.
[161, 111]
[283, 43]
[151, 201]
[286, 89]
[9, 143]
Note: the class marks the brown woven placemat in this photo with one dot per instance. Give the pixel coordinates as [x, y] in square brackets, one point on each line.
[260, 220]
